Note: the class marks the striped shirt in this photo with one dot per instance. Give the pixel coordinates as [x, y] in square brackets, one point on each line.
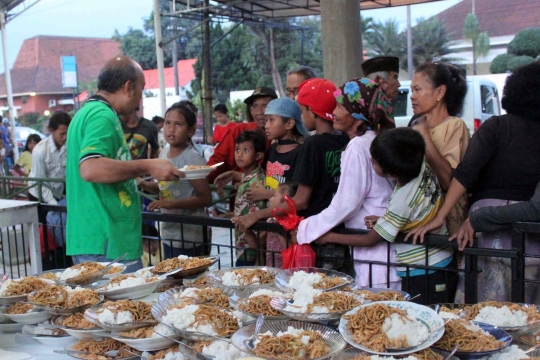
[409, 207]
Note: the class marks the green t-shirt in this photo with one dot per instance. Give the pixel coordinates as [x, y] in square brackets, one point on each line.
[100, 214]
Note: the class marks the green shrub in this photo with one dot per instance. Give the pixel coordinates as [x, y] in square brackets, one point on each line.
[519, 61]
[499, 65]
[526, 42]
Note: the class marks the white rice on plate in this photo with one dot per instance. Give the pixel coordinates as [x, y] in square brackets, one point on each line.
[395, 326]
[303, 297]
[129, 282]
[302, 279]
[222, 350]
[183, 318]
[502, 316]
[510, 353]
[109, 317]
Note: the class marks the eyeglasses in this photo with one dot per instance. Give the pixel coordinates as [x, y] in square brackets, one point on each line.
[290, 92]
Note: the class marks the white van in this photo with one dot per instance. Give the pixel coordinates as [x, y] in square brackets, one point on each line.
[481, 103]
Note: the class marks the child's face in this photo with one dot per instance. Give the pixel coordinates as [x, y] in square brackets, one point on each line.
[31, 145]
[245, 155]
[176, 129]
[277, 198]
[220, 117]
[344, 122]
[275, 128]
[308, 118]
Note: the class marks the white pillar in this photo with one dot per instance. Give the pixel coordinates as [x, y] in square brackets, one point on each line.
[9, 91]
[341, 40]
[159, 55]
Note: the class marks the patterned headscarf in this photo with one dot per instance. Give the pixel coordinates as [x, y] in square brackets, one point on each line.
[366, 101]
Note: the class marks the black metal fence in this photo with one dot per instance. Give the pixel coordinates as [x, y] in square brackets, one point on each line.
[217, 236]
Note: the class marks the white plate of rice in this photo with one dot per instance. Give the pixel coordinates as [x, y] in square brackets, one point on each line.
[130, 287]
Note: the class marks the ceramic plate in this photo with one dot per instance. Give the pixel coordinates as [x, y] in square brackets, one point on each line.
[283, 278]
[132, 292]
[330, 336]
[424, 314]
[496, 332]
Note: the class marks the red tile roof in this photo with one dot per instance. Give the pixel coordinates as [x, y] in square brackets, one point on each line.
[497, 17]
[38, 69]
[185, 75]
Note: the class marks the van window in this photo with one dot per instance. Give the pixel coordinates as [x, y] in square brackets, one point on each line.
[490, 100]
[399, 104]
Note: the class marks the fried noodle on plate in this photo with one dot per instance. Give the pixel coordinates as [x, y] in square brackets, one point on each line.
[102, 346]
[469, 336]
[426, 354]
[19, 308]
[76, 321]
[292, 344]
[22, 286]
[184, 262]
[381, 295]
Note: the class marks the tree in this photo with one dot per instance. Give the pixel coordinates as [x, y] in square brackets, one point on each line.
[526, 42]
[499, 65]
[431, 42]
[479, 40]
[519, 61]
[386, 40]
[523, 49]
[139, 46]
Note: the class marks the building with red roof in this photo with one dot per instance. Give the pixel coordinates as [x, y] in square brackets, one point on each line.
[501, 19]
[36, 76]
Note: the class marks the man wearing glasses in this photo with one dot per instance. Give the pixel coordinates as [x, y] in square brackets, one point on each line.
[295, 77]
[224, 151]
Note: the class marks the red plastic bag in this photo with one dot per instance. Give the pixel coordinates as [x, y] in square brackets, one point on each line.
[296, 255]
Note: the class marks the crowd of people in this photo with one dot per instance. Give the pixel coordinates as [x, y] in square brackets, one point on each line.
[333, 150]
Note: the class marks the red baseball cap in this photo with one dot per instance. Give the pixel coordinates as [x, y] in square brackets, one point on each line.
[318, 95]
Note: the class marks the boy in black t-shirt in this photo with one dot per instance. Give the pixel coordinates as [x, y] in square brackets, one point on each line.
[318, 168]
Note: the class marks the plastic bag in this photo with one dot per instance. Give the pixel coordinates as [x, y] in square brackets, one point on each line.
[296, 255]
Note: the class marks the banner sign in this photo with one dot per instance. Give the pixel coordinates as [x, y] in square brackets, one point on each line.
[69, 71]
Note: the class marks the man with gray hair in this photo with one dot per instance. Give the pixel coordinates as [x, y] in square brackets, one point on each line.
[384, 70]
[295, 77]
[104, 218]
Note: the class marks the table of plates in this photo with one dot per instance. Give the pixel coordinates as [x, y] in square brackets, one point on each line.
[321, 311]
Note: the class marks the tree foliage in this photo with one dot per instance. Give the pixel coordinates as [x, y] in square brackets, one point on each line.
[499, 65]
[526, 42]
[385, 39]
[431, 42]
[479, 40]
[519, 61]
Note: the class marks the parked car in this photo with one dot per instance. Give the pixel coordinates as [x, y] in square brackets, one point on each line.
[481, 102]
[22, 133]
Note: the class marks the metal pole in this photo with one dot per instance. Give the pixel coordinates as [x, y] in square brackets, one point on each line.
[207, 68]
[159, 55]
[9, 91]
[174, 54]
[410, 65]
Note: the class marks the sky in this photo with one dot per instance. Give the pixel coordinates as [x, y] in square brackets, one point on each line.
[100, 18]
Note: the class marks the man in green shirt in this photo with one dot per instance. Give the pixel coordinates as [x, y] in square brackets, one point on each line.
[104, 211]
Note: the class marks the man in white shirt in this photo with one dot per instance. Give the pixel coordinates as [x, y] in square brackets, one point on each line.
[49, 159]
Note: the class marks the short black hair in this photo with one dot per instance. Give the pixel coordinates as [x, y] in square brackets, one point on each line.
[158, 120]
[257, 139]
[453, 78]
[186, 111]
[59, 118]
[521, 92]
[289, 187]
[400, 153]
[112, 78]
[306, 71]
[32, 137]
[222, 108]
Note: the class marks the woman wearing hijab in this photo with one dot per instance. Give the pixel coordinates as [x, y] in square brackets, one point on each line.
[362, 112]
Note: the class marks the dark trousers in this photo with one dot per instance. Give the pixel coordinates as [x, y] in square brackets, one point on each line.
[436, 288]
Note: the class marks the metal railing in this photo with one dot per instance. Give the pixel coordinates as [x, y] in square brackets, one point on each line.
[54, 257]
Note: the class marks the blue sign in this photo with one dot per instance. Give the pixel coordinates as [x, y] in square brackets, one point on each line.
[69, 71]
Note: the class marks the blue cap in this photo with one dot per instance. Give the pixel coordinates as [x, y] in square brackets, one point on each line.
[288, 108]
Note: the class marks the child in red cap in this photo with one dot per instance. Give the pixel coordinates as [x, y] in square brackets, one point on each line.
[318, 167]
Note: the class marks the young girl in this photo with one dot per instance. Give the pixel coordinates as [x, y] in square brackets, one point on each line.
[223, 124]
[183, 197]
[276, 242]
[24, 162]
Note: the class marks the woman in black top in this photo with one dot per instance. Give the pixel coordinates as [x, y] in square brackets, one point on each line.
[501, 167]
